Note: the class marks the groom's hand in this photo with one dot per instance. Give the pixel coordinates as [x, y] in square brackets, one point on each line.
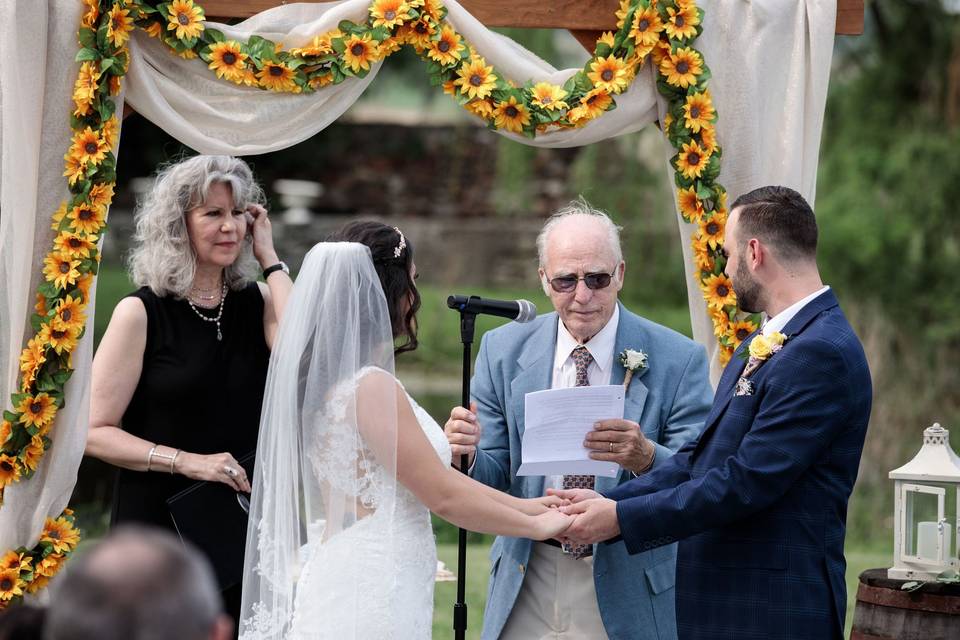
[621, 441]
[463, 433]
[595, 521]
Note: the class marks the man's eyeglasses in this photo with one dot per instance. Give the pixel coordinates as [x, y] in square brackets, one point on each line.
[566, 284]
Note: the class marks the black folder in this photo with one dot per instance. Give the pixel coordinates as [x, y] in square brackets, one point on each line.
[213, 517]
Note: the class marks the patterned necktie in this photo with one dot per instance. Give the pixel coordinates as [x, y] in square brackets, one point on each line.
[581, 359]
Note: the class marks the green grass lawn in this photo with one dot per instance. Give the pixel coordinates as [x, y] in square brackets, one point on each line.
[478, 570]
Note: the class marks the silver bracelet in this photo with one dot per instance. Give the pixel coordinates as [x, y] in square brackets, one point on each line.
[174, 461]
[153, 450]
[171, 458]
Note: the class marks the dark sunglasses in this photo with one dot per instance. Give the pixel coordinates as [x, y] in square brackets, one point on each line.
[566, 284]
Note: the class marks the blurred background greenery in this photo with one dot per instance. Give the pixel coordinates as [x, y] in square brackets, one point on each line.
[887, 194]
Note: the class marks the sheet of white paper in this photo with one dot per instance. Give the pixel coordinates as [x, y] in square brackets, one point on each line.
[556, 422]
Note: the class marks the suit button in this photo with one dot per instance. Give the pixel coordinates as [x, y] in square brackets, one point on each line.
[522, 568]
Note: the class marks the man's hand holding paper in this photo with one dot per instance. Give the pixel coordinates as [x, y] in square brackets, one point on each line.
[621, 441]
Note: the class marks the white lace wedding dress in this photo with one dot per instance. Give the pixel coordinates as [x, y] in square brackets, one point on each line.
[393, 575]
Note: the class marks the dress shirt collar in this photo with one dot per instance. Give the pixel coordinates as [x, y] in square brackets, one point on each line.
[600, 346]
[779, 321]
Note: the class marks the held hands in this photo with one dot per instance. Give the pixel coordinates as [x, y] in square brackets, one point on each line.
[621, 441]
[594, 520]
[463, 433]
[261, 232]
[218, 467]
[550, 524]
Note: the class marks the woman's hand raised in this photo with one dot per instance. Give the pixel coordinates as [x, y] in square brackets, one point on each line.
[218, 467]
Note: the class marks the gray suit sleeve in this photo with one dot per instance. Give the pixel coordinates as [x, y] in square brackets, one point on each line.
[492, 463]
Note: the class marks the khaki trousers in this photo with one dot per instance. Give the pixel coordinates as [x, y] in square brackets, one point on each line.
[557, 600]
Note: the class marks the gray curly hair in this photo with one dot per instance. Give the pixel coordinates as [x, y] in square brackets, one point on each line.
[163, 258]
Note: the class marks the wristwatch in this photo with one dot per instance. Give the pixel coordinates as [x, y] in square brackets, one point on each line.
[280, 266]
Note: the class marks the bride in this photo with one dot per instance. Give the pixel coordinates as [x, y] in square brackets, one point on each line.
[348, 466]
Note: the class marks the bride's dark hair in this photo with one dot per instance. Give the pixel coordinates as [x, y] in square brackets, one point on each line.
[392, 259]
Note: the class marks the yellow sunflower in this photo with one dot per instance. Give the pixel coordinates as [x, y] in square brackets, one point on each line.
[84, 284]
[6, 428]
[101, 194]
[61, 534]
[476, 79]
[682, 22]
[359, 52]
[69, 312]
[85, 88]
[446, 49]
[417, 34]
[115, 85]
[59, 215]
[154, 29]
[708, 138]
[88, 147]
[320, 81]
[511, 115]
[711, 229]
[721, 322]
[595, 103]
[74, 170]
[32, 453]
[15, 561]
[187, 54]
[39, 583]
[74, 245]
[548, 96]
[607, 39]
[49, 565]
[718, 291]
[450, 88]
[119, 26]
[389, 46]
[682, 68]
[61, 269]
[31, 359]
[660, 52]
[61, 338]
[111, 132]
[740, 330]
[227, 59]
[609, 74]
[40, 306]
[578, 116]
[622, 12]
[185, 18]
[698, 111]
[692, 160]
[37, 410]
[277, 76]
[690, 206]
[389, 13]
[483, 108]
[319, 46]
[702, 257]
[646, 27]
[10, 584]
[724, 355]
[86, 218]
[91, 13]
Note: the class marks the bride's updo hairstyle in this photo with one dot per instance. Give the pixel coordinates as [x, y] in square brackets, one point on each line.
[392, 254]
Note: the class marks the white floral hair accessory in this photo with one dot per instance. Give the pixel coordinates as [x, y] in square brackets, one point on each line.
[401, 246]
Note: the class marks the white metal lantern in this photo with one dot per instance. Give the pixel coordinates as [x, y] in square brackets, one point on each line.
[926, 502]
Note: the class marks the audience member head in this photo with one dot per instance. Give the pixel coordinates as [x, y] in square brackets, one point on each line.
[195, 213]
[392, 255]
[137, 584]
[770, 239]
[581, 267]
[22, 622]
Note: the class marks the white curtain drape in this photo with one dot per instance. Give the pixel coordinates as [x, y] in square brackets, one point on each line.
[770, 61]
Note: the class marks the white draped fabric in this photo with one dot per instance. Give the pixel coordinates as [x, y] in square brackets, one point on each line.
[770, 61]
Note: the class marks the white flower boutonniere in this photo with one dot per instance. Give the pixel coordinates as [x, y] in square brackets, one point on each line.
[632, 361]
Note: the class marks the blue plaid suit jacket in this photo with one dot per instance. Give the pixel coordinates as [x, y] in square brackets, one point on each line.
[759, 500]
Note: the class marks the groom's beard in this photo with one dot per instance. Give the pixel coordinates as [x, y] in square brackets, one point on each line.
[748, 291]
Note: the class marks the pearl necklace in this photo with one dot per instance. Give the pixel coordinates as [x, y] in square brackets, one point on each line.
[223, 298]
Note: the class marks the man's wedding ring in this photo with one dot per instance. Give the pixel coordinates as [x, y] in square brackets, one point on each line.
[230, 471]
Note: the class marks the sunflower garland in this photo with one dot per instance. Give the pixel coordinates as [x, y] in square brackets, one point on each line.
[26, 571]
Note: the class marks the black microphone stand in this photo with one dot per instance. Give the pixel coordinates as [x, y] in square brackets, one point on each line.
[468, 320]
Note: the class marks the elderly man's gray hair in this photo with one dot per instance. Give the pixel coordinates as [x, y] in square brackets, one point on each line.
[163, 257]
[138, 583]
[579, 207]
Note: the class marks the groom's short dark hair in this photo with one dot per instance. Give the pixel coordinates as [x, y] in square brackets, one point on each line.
[780, 217]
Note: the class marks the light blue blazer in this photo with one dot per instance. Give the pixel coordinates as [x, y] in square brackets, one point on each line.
[670, 400]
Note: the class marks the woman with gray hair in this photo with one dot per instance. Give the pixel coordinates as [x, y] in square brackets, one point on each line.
[179, 375]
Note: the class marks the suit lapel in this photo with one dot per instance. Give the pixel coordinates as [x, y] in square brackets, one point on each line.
[536, 368]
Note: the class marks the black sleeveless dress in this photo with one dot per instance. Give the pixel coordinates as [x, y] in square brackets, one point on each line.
[195, 393]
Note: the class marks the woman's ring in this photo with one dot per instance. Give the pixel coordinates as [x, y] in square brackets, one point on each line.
[230, 471]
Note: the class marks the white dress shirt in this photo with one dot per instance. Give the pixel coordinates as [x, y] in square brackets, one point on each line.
[600, 347]
[779, 321]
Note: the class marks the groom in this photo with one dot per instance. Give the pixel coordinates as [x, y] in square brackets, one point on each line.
[542, 591]
[759, 500]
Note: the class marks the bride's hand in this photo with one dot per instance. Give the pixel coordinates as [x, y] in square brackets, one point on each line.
[536, 506]
[550, 524]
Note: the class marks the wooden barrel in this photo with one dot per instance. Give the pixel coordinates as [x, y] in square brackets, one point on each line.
[884, 611]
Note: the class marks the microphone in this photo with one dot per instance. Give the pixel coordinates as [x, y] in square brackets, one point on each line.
[516, 310]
